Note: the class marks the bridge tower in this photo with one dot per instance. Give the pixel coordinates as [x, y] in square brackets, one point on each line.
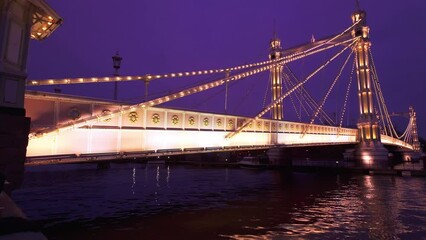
[370, 150]
[276, 78]
[415, 136]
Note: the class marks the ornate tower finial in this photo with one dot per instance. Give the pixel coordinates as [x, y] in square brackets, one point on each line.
[274, 30]
[357, 5]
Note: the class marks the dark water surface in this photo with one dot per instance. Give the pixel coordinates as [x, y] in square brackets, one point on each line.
[149, 201]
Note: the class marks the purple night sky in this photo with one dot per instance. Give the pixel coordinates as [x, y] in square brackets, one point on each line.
[166, 36]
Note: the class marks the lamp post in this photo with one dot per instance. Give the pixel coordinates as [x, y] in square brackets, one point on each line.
[116, 61]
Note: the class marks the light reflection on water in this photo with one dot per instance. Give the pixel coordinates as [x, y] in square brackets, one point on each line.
[80, 202]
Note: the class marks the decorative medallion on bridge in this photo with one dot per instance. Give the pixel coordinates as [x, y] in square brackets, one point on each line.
[266, 125]
[274, 127]
[133, 116]
[155, 118]
[259, 124]
[106, 113]
[240, 122]
[74, 114]
[280, 126]
[206, 121]
[219, 122]
[191, 120]
[230, 123]
[250, 125]
[175, 119]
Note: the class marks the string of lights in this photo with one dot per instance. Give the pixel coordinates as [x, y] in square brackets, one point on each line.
[150, 77]
[185, 92]
[269, 107]
[338, 35]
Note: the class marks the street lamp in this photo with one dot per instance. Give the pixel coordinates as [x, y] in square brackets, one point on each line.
[116, 61]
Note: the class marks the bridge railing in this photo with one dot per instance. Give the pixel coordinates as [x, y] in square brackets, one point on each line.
[393, 141]
[163, 118]
[154, 128]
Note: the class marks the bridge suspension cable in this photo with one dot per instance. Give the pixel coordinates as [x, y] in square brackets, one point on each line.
[329, 91]
[300, 95]
[150, 77]
[287, 86]
[263, 66]
[410, 134]
[305, 97]
[387, 122]
[347, 93]
[269, 107]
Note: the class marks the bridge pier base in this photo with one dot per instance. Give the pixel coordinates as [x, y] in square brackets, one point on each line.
[371, 156]
[279, 157]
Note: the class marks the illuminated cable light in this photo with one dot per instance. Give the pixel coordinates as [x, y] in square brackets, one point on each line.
[180, 74]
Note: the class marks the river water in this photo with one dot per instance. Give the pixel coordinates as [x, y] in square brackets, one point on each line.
[159, 201]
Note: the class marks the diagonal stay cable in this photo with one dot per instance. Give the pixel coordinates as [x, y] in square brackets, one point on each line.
[260, 114]
[329, 91]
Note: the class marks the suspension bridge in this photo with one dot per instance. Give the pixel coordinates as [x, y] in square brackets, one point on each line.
[68, 128]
